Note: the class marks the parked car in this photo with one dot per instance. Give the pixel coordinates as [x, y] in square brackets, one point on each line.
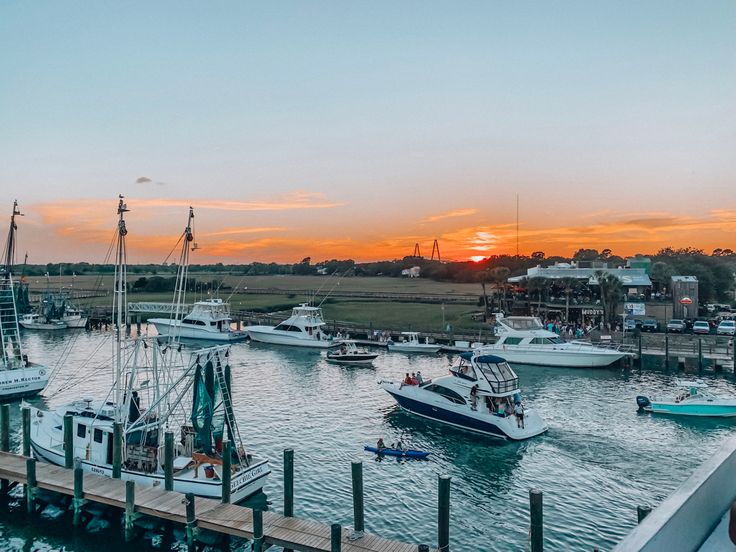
[726, 327]
[650, 325]
[676, 326]
[701, 327]
[630, 324]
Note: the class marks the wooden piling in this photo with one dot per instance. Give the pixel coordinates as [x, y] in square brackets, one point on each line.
[288, 486]
[335, 537]
[26, 416]
[666, 351]
[4, 439]
[535, 511]
[68, 441]
[423, 548]
[191, 522]
[443, 514]
[700, 353]
[642, 512]
[358, 512]
[257, 530]
[227, 471]
[169, 460]
[129, 510]
[78, 501]
[117, 449]
[31, 485]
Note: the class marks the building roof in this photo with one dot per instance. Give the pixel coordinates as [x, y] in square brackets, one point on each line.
[684, 279]
[629, 277]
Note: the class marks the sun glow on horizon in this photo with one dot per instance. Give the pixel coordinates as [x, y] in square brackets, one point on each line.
[477, 258]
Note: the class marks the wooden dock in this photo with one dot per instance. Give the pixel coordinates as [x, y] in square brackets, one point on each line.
[209, 514]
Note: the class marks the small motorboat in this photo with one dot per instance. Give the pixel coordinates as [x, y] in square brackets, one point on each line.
[410, 344]
[694, 400]
[348, 353]
[402, 453]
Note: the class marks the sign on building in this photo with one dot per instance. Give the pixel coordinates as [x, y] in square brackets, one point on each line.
[635, 309]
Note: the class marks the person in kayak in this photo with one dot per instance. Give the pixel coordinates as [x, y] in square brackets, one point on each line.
[380, 445]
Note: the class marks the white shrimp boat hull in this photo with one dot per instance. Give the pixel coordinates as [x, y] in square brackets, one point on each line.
[76, 322]
[267, 334]
[22, 382]
[43, 325]
[164, 328]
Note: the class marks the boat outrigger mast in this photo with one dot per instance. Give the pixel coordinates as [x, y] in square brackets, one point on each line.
[120, 304]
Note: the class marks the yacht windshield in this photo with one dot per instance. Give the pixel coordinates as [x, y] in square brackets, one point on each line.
[523, 323]
[499, 375]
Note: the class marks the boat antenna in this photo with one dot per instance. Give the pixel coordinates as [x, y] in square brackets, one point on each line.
[120, 304]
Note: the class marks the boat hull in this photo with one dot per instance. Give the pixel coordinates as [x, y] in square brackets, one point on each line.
[266, 334]
[702, 410]
[557, 358]
[43, 325]
[75, 322]
[22, 382]
[414, 348]
[164, 327]
[462, 417]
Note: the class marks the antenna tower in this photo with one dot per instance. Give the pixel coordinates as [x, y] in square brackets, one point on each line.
[417, 253]
[436, 247]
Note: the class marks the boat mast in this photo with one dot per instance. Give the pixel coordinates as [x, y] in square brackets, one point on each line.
[182, 275]
[10, 244]
[119, 304]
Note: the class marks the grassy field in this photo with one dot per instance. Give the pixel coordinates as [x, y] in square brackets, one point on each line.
[381, 313]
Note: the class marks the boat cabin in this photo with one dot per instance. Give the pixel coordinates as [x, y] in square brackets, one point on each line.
[491, 373]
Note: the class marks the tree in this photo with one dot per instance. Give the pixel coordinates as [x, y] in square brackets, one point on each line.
[611, 292]
[661, 275]
[586, 255]
[499, 276]
[568, 285]
[538, 255]
[538, 284]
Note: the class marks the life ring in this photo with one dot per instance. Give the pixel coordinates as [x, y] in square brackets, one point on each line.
[42, 372]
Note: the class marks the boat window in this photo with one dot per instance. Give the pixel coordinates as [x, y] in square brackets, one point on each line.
[295, 329]
[283, 327]
[539, 341]
[523, 323]
[501, 377]
[187, 321]
[512, 341]
[81, 430]
[556, 340]
[98, 435]
[449, 394]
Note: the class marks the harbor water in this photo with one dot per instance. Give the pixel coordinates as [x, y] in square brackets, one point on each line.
[599, 460]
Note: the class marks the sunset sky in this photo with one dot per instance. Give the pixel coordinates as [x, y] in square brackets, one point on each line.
[355, 129]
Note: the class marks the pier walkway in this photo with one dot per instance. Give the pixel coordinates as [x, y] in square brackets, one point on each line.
[210, 514]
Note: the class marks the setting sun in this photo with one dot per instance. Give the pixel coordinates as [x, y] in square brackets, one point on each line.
[477, 258]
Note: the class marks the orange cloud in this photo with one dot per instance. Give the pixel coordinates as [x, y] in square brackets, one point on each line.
[451, 214]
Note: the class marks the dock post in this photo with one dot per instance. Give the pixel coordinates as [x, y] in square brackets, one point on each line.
[257, 530]
[129, 510]
[358, 513]
[4, 439]
[117, 449]
[666, 351]
[191, 522]
[169, 461]
[288, 485]
[335, 537]
[642, 512]
[535, 510]
[78, 501]
[423, 548]
[640, 359]
[227, 472]
[68, 441]
[31, 485]
[443, 514]
[26, 415]
[700, 353]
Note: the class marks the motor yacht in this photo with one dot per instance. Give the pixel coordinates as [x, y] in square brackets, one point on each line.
[409, 343]
[481, 394]
[209, 320]
[523, 340]
[694, 400]
[349, 353]
[302, 329]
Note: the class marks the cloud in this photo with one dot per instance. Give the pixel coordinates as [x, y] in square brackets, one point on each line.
[232, 231]
[451, 214]
[142, 180]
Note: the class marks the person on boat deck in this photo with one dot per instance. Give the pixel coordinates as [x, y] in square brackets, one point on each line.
[508, 409]
[380, 444]
[414, 380]
[473, 397]
[519, 411]
[407, 379]
[420, 378]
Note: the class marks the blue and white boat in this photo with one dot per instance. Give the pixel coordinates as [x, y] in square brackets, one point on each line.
[694, 400]
[481, 394]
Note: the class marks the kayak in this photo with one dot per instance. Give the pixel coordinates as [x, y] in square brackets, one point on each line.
[397, 452]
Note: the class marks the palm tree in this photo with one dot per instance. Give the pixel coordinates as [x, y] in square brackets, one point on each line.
[661, 275]
[611, 292]
[537, 284]
[568, 285]
[499, 276]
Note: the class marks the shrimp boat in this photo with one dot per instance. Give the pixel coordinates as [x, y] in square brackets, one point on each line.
[18, 376]
[157, 388]
[34, 321]
[479, 395]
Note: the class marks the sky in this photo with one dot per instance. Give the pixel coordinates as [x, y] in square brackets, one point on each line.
[357, 129]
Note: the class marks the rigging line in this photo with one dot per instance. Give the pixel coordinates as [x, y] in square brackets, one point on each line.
[56, 370]
[333, 287]
[174, 248]
[235, 289]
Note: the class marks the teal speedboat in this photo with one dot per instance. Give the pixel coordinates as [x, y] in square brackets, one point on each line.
[693, 400]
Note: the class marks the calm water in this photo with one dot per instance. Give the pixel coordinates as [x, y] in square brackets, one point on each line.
[599, 460]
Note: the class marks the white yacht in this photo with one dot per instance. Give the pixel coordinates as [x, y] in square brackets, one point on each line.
[156, 389]
[34, 321]
[209, 320]
[409, 343]
[523, 340]
[18, 376]
[480, 395]
[302, 329]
